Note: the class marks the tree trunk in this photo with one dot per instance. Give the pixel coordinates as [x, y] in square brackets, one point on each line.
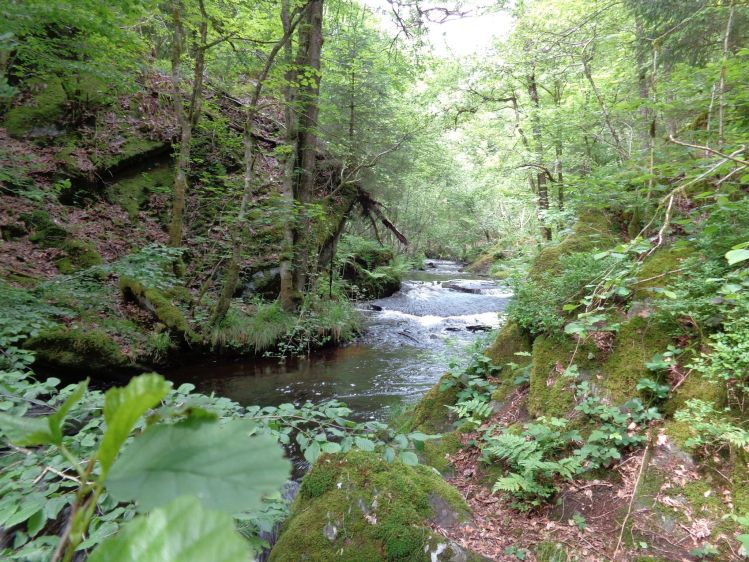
[722, 85]
[231, 278]
[288, 296]
[187, 119]
[310, 48]
[621, 153]
[543, 193]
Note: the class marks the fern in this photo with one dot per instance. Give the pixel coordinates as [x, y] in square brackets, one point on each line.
[473, 411]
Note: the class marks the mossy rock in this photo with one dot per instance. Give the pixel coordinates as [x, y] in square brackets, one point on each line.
[594, 229]
[78, 255]
[44, 231]
[135, 149]
[13, 231]
[44, 110]
[357, 507]
[430, 414]
[654, 270]
[85, 350]
[435, 451]
[550, 393]
[637, 341]
[156, 302]
[510, 340]
[132, 193]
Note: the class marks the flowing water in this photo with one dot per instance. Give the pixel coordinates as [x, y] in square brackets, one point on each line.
[406, 347]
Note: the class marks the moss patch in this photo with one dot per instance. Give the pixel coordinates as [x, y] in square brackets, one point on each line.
[131, 193]
[78, 255]
[85, 350]
[430, 414]
[44, 110]
[551, 394]
[652, 274]
[636, 342]
[44, 231]
[155, 302]
[435, 452]
[510, 340]
[357, 507]
[594, 229]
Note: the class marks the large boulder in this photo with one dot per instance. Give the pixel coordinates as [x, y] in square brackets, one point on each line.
[357, 507]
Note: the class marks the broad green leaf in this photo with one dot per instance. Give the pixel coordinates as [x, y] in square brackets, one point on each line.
[183, 531]
[122, 409]
[331, 447]
[364, 444]
[220, 464]
[737, 256]
[57, 419]
[42, 430]
[25, 431]
[312, 453]
[409, 458]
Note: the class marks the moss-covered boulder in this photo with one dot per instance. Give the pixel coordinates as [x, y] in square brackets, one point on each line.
[356, 507]
[551, 393]
[511, 341]
[84, 350]
[656, 269]
[593, 229]
[131, 193]
[637, 341]
[431, 414]
[78, 255]
[155, 302]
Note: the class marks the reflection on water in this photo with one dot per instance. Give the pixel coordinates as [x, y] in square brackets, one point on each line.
[404, 351]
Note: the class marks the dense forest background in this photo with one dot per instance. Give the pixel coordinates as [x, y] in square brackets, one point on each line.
[228, 177]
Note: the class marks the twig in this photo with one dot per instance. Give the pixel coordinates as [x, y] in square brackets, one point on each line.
[632, 498]
[713, 151]
[641, 281]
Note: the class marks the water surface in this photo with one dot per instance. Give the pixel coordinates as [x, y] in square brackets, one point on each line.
[405, 349]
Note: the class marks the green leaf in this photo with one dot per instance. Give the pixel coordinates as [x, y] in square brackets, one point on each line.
[313, 452]
[42, 430]
[57, 419]
[409, 458]
[25, 431]
[331, 447]
[122, 409]
[220, 464]
[364, 444]
[736, 256]
[183, 531]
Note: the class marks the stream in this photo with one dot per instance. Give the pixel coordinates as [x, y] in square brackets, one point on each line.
[408, 341]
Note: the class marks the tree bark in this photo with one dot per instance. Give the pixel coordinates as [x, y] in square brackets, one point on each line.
[231, 277]
[288, 296]
[722, 85]
[187, 119]
[543, 193]
[310, 48]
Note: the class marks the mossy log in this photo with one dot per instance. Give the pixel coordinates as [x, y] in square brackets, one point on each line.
[155, 302]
